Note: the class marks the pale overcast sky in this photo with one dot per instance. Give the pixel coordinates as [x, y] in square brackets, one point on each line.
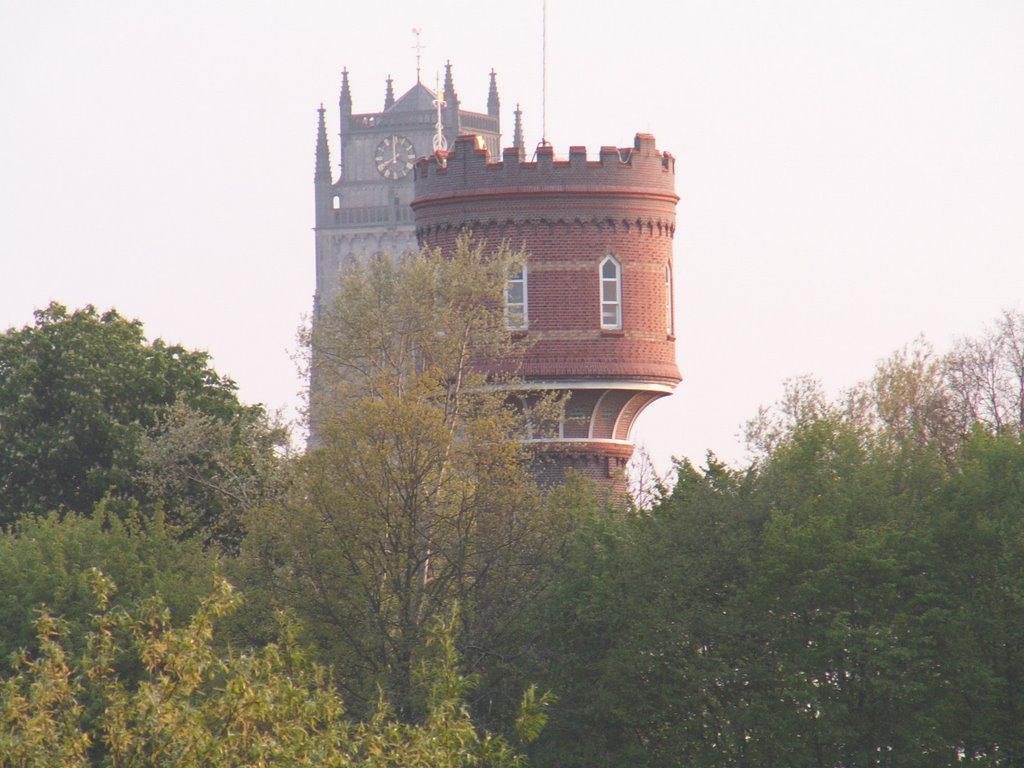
[851, 172]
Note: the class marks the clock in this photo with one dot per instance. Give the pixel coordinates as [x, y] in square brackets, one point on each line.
[395, 157]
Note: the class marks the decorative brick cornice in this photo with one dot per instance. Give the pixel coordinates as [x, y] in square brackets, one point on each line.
[506, 228]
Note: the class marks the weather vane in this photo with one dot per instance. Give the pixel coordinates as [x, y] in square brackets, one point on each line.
[440, 143]
[419, 49]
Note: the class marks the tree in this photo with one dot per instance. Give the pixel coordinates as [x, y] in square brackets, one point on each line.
[978, 530]
[209, 471]
[986, 376]
[846, 602]
[908, 401]
[82, 392]
[47, 561]
[647, 643]
[195, 706]
[853, 597]
[418, 493]
[788, 614]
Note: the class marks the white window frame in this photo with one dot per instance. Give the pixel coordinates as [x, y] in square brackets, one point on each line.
[609, 305]
[516, 319]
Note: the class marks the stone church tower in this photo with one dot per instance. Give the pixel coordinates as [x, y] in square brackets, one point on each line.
[365, 210]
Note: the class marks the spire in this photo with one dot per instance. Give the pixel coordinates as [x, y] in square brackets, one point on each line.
[493, 102]
[450, 97]
[345, 102]
[323, 191]
[323, 152]
[517, 135]
[389, 96]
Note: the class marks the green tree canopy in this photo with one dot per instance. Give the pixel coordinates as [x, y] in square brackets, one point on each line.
[82, 392]
[852, 597]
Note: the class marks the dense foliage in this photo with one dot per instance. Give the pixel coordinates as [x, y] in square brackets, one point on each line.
[196, 707]
[90, 409]
[48, 561]
[854, 596]
[842, 604]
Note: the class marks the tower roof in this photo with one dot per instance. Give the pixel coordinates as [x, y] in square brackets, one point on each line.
[417, 98]
[450, 96]
[493, 102]
[345, 100]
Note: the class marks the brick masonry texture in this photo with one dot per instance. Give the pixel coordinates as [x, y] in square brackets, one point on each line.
[567, 216]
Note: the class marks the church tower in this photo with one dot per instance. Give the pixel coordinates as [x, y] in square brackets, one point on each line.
[365, 211]
[594, 297]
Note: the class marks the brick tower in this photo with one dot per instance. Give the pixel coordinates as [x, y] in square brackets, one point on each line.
[595, 294]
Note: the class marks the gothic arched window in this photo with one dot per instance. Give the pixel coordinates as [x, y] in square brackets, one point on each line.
[516, 317]
[611, 293]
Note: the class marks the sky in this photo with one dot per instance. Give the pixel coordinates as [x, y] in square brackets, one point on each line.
[851, 173]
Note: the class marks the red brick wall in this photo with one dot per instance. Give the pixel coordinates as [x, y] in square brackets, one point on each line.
[602, 463]
[567, 216]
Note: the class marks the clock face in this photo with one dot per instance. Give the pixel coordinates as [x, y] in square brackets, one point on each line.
[395, 157]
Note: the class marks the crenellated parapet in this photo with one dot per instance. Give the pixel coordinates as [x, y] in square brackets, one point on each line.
[468, 169]
[640, 165]
[626, 191]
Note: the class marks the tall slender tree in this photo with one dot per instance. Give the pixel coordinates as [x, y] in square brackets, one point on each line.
[418, 494]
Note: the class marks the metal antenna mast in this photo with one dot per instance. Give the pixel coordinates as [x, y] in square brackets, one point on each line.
[544, 74]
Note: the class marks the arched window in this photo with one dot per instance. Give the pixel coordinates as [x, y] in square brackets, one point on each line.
[611, 294]
[515, 299]
[669, 325]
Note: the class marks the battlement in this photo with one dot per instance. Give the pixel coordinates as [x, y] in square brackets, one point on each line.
[469, 169]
